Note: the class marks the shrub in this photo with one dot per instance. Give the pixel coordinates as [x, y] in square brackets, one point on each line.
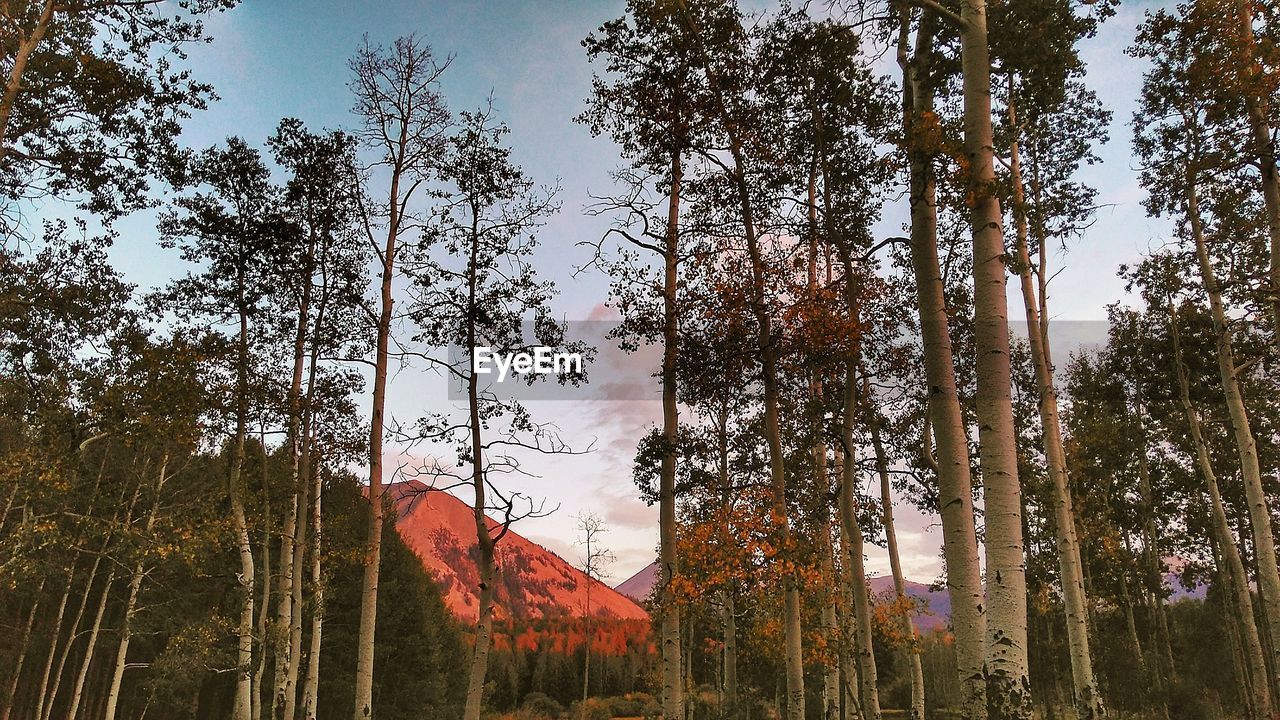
[592, 709]
[632, 705]
[539, 704]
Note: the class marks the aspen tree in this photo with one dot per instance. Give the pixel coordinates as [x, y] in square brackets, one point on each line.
[945, 419]
[653, 111]
[403, 120]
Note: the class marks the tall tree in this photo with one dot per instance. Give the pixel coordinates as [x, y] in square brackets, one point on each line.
[234, 228]
[719, 38]
[93, 98]
[1051, 119]
[403, 121]
[1190, 172]
[652, 111]
[475, 294]
[924, 141]
[321, 197]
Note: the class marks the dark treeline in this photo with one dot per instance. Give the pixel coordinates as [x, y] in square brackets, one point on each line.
[182, 532]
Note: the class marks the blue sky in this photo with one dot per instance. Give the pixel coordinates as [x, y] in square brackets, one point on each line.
[274, 58]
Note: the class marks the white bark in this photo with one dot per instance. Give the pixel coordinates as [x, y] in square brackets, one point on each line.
[131, 605]
[955, 492]
[672, 687]
[1254, 667]
[91, 647]
[1259, 510]
[851, 537]
[1008, 684]
[895, 562]
[1086, 696]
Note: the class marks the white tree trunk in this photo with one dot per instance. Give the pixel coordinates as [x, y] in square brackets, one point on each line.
[1008, 684]
[1085, 693]
[311, 687]
[90, 649]
[373, 542]
[1259, 510]
[288, 631]
[895, 561]
[131, 604]
[822, 485]
[669, 567]
[955, 491]
[851, 537]
[264, 608]
[1254, 666]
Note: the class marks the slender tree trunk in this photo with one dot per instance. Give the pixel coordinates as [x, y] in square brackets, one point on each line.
[91, 647]
[895, 562]
[822, 485]
[43, 695]
[1259, 512]
[1086, 696]
[1154, 566]
[851, 536]
[294, 666]
[8, 504]
[264, 611]
[309, 470]
[1258, 107]
[278, 632]
[729, 614]
[11, 696]
[484, 636]
[311, 688]
[485, 541]
[730, 620]
[288, 633]
[586, 650]
[131, 604]
[851, 706]
[672, 687]
[830, 628]
[1008, 685]
[960, 545]
[373, 548]
[1255, 666]
[1130, 623]
[484, 630]
[242, 708]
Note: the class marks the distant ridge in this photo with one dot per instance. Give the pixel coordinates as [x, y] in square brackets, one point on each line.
[935, 605]
[534, 582]
[638, 586]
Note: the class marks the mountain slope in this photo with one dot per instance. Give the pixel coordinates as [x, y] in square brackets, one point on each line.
[638, 586]
[533, 581]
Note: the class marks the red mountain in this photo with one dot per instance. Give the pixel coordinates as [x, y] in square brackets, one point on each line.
[533, 581]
